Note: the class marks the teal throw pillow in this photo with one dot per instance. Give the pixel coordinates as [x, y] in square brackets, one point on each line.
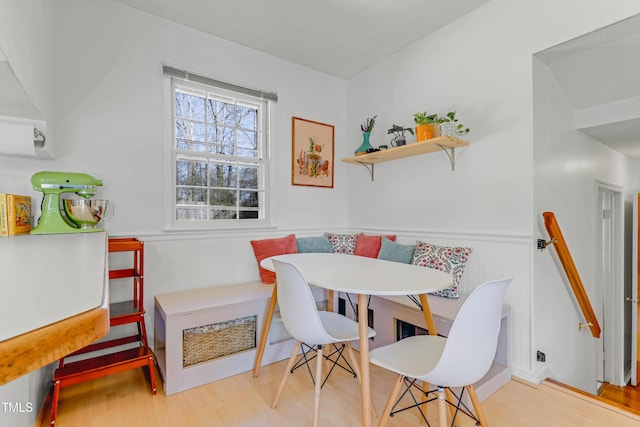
[314, 244]
[392, 251]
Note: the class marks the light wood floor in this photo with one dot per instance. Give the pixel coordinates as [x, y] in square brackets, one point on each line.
[242, 401]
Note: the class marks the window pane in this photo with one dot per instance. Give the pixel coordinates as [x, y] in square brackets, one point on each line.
[227, 115]
[222, 198]
[249, 199]
[222, 175]
[190, 106]
[214, 133]
[247, 117]
[247, 139]
[191, 146]
[220, 111]
[191, 173]
[252, 154]
[191, 196]
[223, 214]
[191, 213]
[248, 214]
[191, 131]
[248, 177]
[225, 141]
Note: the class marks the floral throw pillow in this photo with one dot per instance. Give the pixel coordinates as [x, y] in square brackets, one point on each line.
[451, 260]
[342, 243]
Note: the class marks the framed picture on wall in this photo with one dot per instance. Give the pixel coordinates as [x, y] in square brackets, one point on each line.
[312, 153]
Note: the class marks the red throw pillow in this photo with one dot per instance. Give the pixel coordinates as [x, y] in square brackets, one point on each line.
[369, 246]
[270, 247]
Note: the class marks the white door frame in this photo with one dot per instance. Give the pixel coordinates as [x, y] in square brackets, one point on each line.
[634, 291]
[610, 282]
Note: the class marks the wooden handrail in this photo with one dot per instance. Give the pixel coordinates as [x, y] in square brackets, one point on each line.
[572, 273]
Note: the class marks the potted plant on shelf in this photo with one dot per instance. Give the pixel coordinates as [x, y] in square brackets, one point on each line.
[366, 128]
[450, 126]
[424, 125]
[398, 135]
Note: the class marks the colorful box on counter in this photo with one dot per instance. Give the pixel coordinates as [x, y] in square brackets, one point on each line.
[15, 214]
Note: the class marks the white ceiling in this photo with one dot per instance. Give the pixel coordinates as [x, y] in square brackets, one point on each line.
[337, 37]
[601, 71]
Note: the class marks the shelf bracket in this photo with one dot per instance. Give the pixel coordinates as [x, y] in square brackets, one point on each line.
[451, 153]
[369, 167]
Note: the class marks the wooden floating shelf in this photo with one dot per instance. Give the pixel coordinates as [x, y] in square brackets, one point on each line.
[448, 144]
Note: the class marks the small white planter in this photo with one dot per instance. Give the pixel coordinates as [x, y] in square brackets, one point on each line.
[449, 129]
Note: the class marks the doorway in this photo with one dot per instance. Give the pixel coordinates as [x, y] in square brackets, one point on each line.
[610, 286]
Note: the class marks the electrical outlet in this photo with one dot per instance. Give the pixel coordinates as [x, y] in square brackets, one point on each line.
[540, 356]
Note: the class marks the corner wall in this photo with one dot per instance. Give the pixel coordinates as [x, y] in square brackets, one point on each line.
[480, 66]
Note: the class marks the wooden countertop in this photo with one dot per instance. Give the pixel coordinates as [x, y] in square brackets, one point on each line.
[55, 298]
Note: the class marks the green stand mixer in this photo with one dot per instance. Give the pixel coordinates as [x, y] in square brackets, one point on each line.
[76, 215]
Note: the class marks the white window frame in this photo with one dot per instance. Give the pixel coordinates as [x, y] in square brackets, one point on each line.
[173, 154]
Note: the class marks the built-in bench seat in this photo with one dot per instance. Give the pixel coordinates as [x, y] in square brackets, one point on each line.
[218, 316]
[203, 335]
[181, 311]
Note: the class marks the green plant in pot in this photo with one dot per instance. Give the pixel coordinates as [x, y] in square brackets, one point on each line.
[398, 135]
[366, 129]
[424, 125]
[450, 126]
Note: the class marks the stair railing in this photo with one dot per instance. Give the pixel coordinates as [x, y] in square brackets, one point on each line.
[557, 239]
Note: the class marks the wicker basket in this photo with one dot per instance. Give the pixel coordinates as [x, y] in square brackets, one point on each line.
[209, 342]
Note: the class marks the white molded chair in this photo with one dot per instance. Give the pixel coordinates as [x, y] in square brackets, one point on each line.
[459, 360]
[307, 325]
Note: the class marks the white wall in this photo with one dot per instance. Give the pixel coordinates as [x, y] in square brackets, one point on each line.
[108, 111]
[25, 38]
[568, 166]
[481, 66]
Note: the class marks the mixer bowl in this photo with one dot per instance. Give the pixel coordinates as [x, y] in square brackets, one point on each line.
[85, 213]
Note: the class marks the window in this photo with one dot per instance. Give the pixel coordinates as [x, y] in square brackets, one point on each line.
[219, 156]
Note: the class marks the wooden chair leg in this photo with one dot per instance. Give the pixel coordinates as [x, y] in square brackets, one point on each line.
[354, 362]
[318, 387]
[265, 330]
[449, 394]
[292, 361]
[395, 390]
[476, 406]
[442, 407]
